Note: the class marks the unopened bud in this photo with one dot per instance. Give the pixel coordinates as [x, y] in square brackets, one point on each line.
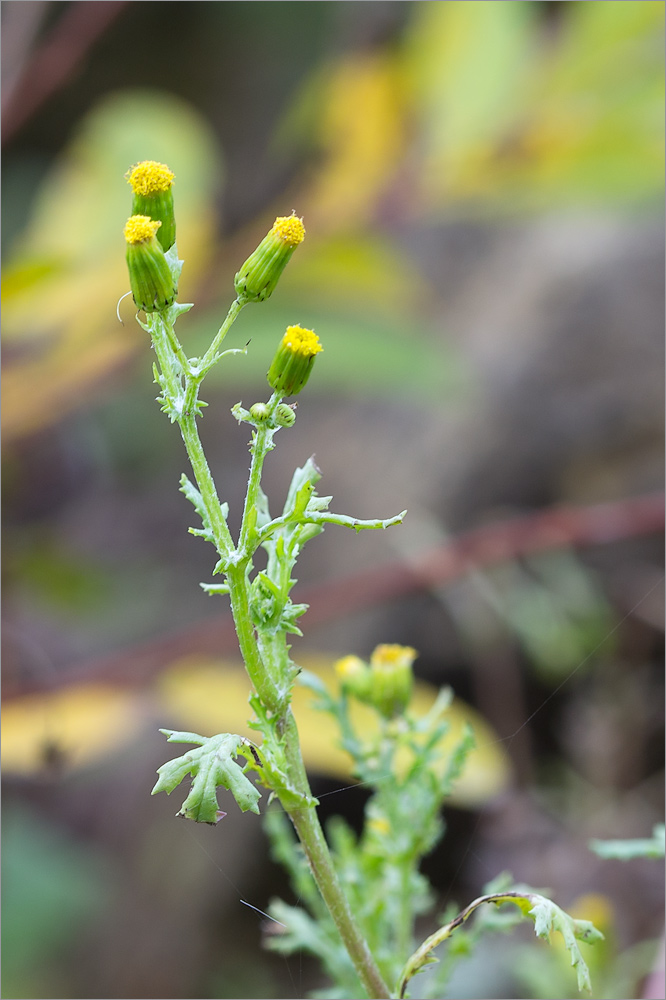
[259, 412]
[284, 415]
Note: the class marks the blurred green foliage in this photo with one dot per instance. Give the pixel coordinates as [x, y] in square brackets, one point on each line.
[51, 892]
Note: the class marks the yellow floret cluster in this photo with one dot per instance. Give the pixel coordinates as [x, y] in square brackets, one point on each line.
[289, 229]
[302, 342]
[149, 177]
[349, 666]
[392, 655]
[140, 228]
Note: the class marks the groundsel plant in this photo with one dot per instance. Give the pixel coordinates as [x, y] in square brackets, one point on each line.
[361, 896]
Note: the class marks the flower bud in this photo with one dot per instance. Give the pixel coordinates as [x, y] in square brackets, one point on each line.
[259, 412]
[151, 183]
[354, 676]
[284, 415]
[391, 678]
[293, 360]
[260, 273]
[151, 280]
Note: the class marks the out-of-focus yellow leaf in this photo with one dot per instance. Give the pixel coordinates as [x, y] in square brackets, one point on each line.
[516, 117]
[210, 696]
[67, 272]
[365, 273]
[82, 724]
[84, 202]
[361, 134]
[467, 64]
[75, 726]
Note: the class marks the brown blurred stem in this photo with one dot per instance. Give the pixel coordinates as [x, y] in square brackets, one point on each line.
[488, 545]
[56, 60]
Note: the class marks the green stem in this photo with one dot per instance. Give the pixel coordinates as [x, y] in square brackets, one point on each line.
[264, 676]
[404, 934]
[234, 310]
[195, 376]
[157, 325]
[204, 479]
[261, 444]
[171, 362]
[307, 826]
[176, 346]
[264, 683]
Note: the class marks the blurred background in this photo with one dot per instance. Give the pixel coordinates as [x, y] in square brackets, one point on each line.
[482, 188]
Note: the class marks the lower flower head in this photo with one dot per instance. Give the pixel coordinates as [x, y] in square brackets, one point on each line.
[150, 277]
[293, 360]
[140, 229]
[260, 273]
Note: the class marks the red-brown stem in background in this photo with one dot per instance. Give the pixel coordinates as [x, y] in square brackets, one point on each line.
[501, 541]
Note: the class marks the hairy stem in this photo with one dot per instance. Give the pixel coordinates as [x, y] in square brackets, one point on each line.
[231, 317]
[261, 444]
[264, 672]
[206, 485]
[264, 683]
[307, 826]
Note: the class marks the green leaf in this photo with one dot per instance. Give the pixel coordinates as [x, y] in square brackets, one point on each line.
[625, 850]
[195, 498]
[305, 476]
[211, 764]
[547, 917]
[215, 588]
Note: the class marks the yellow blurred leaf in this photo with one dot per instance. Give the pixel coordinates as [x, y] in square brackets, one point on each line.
[366, 273]
[360, 131]
[516, 116]
[67, 272]
[211, 696]
[76, 726]
[84, 723]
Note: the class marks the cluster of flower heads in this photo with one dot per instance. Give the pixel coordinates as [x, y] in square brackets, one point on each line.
[150, 233]
[385, 682]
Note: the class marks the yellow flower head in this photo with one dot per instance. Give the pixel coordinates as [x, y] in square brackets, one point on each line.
[303, 342]
[293, 360]
[289, 229]
[260, 273]
[391, 655]
[152, 283]
[391, 678]
[140, 228]
[353, 675]
[149, 177]
[349, 666]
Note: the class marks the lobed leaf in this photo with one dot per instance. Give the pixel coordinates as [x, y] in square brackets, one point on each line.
[212, 764]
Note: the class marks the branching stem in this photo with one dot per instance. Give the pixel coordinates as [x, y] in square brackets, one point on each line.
[180, 384]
